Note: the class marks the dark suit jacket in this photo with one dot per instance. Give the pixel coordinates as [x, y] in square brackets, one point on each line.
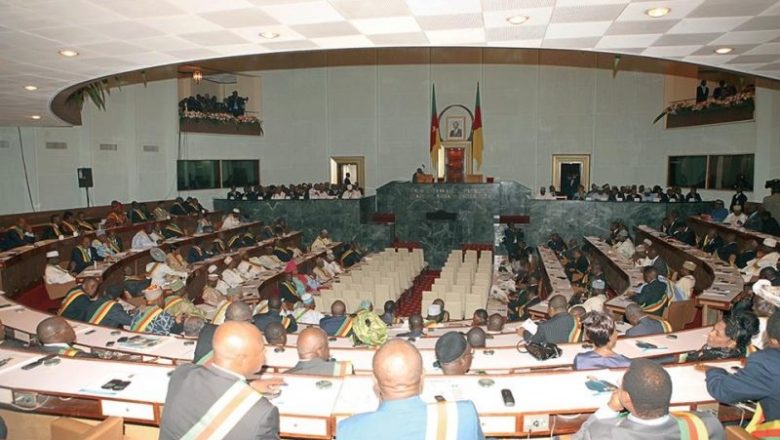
[756, 381]
[331, 324]
[116, 317]
[650, 294]
[646, 326]
[555, 330]
[314, 367]
[204, 347]
[263, 319]
[79, 261]
[191, 393]
[626, 429]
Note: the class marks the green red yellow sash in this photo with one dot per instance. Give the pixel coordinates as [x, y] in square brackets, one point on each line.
[146, 318]
[206, 357]
[345, 327]
[56, 230]
[101, 313]
[691, 426]
[86, 255]
[171, 301]
[72, 295]
[576, 331]
[225, 413]
[71, 228]
[342, 368]
[233, 240]
[68, 352]
[140, 214]
[658, 305]
[172, 227]
[85, 226]
[664, 323]
[220, 314]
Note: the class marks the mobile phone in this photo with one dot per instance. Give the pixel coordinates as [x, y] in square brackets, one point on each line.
[120, 385]
[671, 336]
[189, 342]
[111, 384]
[587, 346]
[122, 339]
[39, 362]
[509, 399]
[489, 352]
[439, 398]
[110, 343]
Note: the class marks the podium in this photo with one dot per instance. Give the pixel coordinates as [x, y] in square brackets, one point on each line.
[457, 161]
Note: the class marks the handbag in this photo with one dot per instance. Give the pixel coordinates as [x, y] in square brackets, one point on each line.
[543, 351]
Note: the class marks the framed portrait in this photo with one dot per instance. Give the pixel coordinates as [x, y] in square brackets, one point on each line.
[456, 128]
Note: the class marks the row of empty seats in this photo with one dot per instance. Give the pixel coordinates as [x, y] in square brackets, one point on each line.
[383, 276]
[464, 283]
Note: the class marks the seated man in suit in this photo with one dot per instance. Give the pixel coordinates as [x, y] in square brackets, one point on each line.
[53, 230]
[69, 225]
[116, 217]
[653, 294]
[646, 392]
[152, 319]
[657, 262]
[82, 222]
[453, 354]
[237, 311]
[275, 335]
[57, 336]
[77, 301]
[137, 213]
[105, 309]
[398, 370]
[757, 380]
[495, 324]
[314, 356]
[416, 328]
[388, 316]
[476, 337]
[216, 398]
[274, 314]
[558, 329]
[338, 323]
[642, 323]
[83, 255]
[711, 241]
[20, 234]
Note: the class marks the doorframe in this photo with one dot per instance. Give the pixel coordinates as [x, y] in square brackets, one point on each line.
[582, 159]
[337, 161]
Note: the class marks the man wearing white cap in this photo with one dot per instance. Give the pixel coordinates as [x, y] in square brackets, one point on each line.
[102, 246]
[159, 271]
[143, 239]
[306, 311]
[598, 296]
[321, 242]
[736, 217]
[332, 267]
[151, 318]
[434, 315]
[267, 260]
[624, 246]
[210, 295]
[55, 274]
[230, 276]
[231, 220]
[766, 256]
[684, 286]
[351, 193]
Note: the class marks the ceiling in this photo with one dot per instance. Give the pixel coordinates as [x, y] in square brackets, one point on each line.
[114, 36]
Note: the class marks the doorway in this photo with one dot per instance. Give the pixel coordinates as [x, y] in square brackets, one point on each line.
[570, 171]
[348, 167]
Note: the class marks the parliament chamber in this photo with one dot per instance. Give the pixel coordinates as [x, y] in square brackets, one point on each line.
[406, 219]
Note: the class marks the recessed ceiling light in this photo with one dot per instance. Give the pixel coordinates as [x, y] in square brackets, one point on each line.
[68, 53]
[657, 12]
[30, 88]
[269, 35]
[723, 50]
[36, 117]
[517, 19]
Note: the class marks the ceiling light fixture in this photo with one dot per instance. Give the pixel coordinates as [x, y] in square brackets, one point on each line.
[197, 76]
[36, 117]
[657, 12]
[517, 19]
[723, 50]
[269, 35]
[30, 88]
[68, 53]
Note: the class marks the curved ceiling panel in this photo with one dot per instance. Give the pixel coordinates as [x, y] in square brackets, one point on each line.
[114, 36]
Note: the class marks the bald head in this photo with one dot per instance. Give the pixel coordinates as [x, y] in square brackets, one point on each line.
[398, 370]
[495, 323]
[557, 304]
[476, 337]
[338, 308]
[239, 347]
[634, 313]
[275, 334]
[313, 344]
[416, 322]
[90, 286]
[238, 311]
[55, 330]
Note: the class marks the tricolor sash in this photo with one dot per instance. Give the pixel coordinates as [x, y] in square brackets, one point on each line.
[342, 368]
[233, 240]
[293, 290]
[70, 228]
[68, 352]
[286, 321]
[576, 331]
[664, 323]
[171, 302]
[206, 357]
[154, 266]
[19, 231]
[85, 226]
[113, 245]
[86, 255]
[299, 314]
[56, 229]
[442, 421]
[72, 295]
[140, 214]
[172, 227]
[345, 255]
[101, 313]
[691, 426]
[345, 327]
[219, 316]
[658, 305]
[146, 318]
[225, 413]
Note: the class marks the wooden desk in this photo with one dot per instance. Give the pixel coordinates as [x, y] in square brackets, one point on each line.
[621, 273]
[719, 283]
[554, 280]
[703, 224]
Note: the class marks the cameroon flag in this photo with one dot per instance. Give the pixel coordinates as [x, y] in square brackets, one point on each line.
[477, 144]
[435, 141]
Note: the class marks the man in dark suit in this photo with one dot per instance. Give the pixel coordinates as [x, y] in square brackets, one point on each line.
[105, 310]
[558, 328]
[83, 255]
[652, 297]
[20, 234]
[314, 356]
[56, 336]
[236, 311]
[757, 380]
[338, 323]
[702, 92]
[274, 314]
[642, 323]
[646, 392]
[217, 398]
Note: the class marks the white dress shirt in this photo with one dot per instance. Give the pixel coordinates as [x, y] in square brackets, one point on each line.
[142, 240]
[231, 221]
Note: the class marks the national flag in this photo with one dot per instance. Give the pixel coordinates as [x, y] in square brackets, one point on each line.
[477, 144]
[435, 144]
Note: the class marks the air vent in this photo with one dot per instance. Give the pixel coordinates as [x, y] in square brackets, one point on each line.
[5, 144]
[107, 147]
[151, 148]
[56, 146]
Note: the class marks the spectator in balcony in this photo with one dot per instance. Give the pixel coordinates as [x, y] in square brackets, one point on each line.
[693, 196]
[739, 198]
[720, 91]
[719, 213]
[543, 195]
[702, 92]
[736, 217]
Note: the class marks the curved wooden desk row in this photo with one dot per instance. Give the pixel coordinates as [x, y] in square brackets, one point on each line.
[309, 411]
[719, 283]
[554, 280]
[702, 224]
[22, 267]
[621, 273]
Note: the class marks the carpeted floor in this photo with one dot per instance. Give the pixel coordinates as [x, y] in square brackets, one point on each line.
[37, 298]
[410, 301]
